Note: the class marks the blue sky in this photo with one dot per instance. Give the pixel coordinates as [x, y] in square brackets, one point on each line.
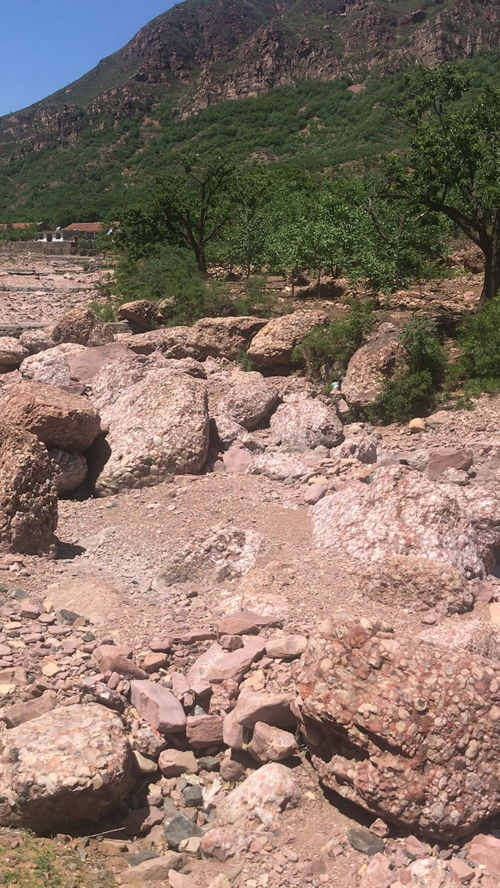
[45, 44]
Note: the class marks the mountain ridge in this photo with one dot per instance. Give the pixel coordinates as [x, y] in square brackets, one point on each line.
[203, 52]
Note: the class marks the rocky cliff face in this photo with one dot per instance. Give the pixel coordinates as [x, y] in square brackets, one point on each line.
[208, 51]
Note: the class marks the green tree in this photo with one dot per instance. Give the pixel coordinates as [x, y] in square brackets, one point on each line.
[190, 207]
[452, 166]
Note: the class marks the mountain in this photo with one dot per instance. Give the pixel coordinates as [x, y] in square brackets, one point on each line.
[203, 53]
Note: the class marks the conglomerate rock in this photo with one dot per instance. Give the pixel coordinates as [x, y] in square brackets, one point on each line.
[11, 352]
[245, 398]
[307, 423]
[28, 498]
[418, 584]
[273, 345]
[405, 729]
[401, 512]
[371, 365]
[223, 337]
[60, 419]
[52, 365]
[157, 428]
[71, 767]
[83, 326]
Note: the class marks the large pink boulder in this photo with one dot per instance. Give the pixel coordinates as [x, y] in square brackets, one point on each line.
[405, 729]
[401, 512]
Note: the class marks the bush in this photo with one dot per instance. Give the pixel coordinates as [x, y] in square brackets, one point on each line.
[404, 396]
[479, 342]
[326, 351]
[413, 391]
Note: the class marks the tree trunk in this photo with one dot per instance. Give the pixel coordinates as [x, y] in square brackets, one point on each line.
[491, 250]
[491, 282]
[201, 260]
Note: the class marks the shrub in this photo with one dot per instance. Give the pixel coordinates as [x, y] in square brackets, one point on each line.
[326, 351]
[413, 391]
[479, 342]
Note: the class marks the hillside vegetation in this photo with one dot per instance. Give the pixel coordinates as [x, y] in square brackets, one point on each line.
[312, 126]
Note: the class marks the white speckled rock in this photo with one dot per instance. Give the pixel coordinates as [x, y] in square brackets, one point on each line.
[261, 796]
[72, 766]
[11, 352]
[157, 428]
[307, 423]
[401, 512]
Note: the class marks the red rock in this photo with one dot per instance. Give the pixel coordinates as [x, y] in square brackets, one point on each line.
[204, 730]
[215, 665]
[30, 611]
[405, 754]
[287, 647]
[233, 666]
[448, 458]
[174, 762]
[270, 744]
[112, 658]
[231, 770]
[154, 661]
[161, 645]
[245, 623]
[485, 851]
[20, 713]
[158, 706]
[231, 642]
[315, 492]
[379, 873]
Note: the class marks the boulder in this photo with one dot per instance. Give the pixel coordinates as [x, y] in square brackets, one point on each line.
[249, 401]
[12, 353]
[371, 365]
[226, 552]
[35, 341]
[157, 428]
[228, 433]
[60, 419]
[173, 342]
[401, 512]
[223, 337]
[272, 347]
[28, 498]
[51, 366]
[400, 729]
[70, 471]
[72, 767]
[86, 363]
[417, 584]
[83, 326]
[358, 445]
[261, 796]
[307, 423]
[141, 314]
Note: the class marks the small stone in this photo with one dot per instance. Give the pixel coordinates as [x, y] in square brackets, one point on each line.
[145, 765]
[270, 744]
[417, 425]
[204, 730]
[155, 870]
[193, 796]
[158, 706]
[287, 647]
[178, 828]
[174, 762]
[363, 840]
